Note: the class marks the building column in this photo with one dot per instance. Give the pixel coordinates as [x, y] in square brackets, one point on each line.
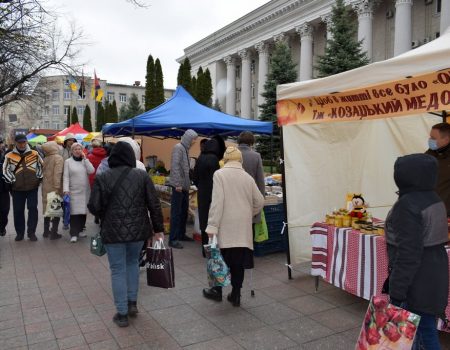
[263, 54]
[403, 26]
[306, 51]
[327, 20]
[231, 85]
[364, 9]
[445, 16]
[246, 81]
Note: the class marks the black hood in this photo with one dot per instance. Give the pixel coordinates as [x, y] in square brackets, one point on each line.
[415, 172]
[122, 154]
[212, 146]
[221, 143]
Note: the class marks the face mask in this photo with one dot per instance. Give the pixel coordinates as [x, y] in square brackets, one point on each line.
[432, 144]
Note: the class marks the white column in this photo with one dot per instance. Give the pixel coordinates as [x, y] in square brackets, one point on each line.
[246, 102]
[306, 52]
[445, 15]
[327, 20]
[403, 27]
[263, 54]
[364, 9]
[231, 85]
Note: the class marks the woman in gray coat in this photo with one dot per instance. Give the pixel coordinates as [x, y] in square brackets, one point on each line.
[76, 184]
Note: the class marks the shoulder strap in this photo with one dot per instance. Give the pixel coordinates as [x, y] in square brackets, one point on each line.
[116, 185]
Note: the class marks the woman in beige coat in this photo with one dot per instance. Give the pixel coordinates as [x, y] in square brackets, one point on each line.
[235, 201]
[52, 182]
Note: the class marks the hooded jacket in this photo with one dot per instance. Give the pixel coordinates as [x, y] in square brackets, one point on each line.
[416, 233]
[207, 163]
[179, 169]
[137, 151]
[125, 214]
[28, 175]
[53, 171]
[95, 157]
[66, 152]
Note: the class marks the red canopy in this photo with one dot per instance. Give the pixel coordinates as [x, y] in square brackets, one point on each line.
[74, 129]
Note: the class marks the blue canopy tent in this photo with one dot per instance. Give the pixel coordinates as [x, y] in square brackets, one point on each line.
[182, 112]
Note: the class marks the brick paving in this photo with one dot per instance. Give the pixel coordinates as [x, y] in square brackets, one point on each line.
[56, 295]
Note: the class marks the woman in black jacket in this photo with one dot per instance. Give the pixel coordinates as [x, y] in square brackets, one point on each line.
[416, 234]
[123, 197]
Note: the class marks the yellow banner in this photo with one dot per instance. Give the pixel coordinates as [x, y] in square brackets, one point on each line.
[426, 93]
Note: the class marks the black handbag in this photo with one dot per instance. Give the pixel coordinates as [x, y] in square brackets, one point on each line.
[160, 266]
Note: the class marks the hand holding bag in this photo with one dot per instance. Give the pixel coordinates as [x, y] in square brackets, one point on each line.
[97, 246]
[216, 268]
[160, 267]
[54, 206]
[66, 209]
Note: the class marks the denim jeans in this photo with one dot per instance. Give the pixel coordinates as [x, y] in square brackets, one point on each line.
[31, 200]
[427, 334]
[179, 206]
[124, 264]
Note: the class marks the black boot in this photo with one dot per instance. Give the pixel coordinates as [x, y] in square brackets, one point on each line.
[46, 233]
[214, 293]
[54, 231]
[120, 320]
[132, 309]
[235, 297]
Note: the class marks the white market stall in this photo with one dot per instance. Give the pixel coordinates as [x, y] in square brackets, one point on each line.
[343, 133]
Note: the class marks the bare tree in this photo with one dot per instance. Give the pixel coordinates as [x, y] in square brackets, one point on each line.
[31, 43]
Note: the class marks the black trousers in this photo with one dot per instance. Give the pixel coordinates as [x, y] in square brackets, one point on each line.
[30, 199]
[77, 222]
[5, 204]
[237, 276]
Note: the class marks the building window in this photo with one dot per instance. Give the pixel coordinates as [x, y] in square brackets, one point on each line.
[238, 95]
[46, 124]
[55, 110]
[67, 94]
[123, 98]
[110, 96]
[81, 98]
[238, 71]
[66, 110]
[46, 110]
[80, 110]
[12, 118]
[55, 95]
[252, 67]
[253, 90]
[56, 126]
[438, 6]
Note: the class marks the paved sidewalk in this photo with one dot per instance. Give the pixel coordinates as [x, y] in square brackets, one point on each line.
[56, 295]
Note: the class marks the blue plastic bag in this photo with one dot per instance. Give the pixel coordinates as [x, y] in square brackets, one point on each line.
[66, 206]
[216, 268]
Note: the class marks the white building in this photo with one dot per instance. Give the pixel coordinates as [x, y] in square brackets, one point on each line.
[238, 55]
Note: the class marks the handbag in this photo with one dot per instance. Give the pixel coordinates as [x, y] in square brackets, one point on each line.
[261, 230]
[97, 246]
[66, 210]
[160, 267]
[54, 206]
[387, 327]
[216, 268]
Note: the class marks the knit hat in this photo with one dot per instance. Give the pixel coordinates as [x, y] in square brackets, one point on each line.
[232, 154]
[70, 136]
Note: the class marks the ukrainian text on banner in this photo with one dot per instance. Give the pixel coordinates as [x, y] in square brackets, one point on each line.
[424, 93]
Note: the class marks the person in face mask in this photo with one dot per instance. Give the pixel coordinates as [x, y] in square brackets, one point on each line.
[439, 147]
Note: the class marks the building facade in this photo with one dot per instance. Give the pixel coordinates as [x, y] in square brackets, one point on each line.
[238, 55]
[53, 97]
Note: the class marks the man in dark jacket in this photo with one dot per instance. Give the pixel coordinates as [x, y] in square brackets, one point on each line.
[207, 164]
[416, 234]
[439, 147]
[123, 197]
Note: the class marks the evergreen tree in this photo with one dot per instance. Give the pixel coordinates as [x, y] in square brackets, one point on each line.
[159, 84]
[100, 117]
[87, 123]
[216, 105]
[123, 114]
[281, 71]
[114, 114]
[132, 109]
[194, 87]
[180, 74]
[207, 88]
[74, 118]
[68, 120]
[185, 75]
[106, 112]
[198, 91]
[343, 52]
[150, 84]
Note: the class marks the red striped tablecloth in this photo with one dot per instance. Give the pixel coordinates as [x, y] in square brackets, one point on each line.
[354, 262]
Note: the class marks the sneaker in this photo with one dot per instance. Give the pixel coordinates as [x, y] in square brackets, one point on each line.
[55, 236]
[132, 309]
[2, 232]
[18, 238]
[120, 320]
[74, 239]
[32, 237]
[82, 234]
[176, 245]
[187, 239]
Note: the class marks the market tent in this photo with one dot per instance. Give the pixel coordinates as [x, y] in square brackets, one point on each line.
[30, 136]
[74, 129]
[80, 137]
[182, 112]
[37, 140]
[328, 157]
[90, 136]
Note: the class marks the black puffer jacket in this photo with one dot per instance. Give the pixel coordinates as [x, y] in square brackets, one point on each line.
[416, 233]
[125, 215]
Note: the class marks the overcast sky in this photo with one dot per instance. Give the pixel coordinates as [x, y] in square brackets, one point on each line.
[122, 36]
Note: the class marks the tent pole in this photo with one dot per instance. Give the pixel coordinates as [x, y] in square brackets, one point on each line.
[444, 116]
[285, 225]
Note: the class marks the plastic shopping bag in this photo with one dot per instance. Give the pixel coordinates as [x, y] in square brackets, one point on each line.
[261, 230]
[54, 206]
[160, 267]
[66, 207]
[216, 268]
